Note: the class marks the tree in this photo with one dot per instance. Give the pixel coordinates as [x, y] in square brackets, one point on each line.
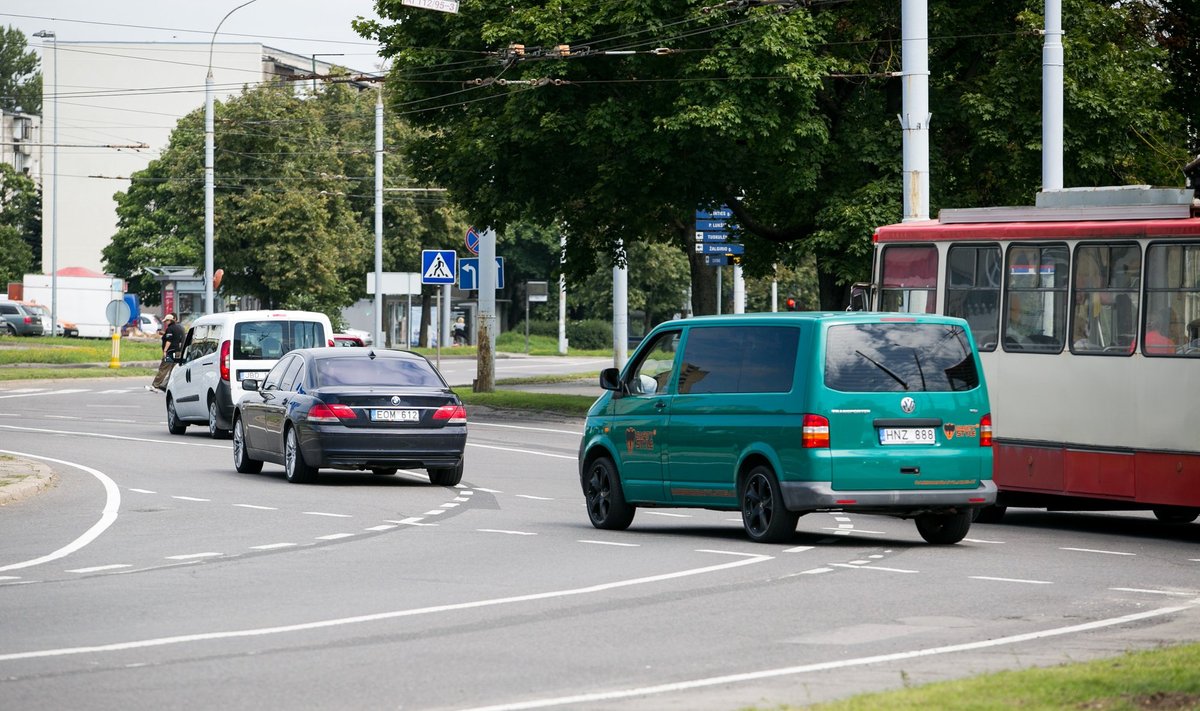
[294, 210]
[785, 112]
[20, 225]
[20, 80]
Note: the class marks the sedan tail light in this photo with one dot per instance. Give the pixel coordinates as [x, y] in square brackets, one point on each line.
[452, 414]
[814, 432]
[321, 412]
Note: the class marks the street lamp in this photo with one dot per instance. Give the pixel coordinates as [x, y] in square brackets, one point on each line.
[208, 167]
[49, 34]
[314, 66]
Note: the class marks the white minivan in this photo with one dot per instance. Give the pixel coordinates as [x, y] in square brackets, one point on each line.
[220, 350]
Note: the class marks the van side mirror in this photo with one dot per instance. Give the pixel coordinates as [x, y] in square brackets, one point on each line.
[860, 297]
[610, 379]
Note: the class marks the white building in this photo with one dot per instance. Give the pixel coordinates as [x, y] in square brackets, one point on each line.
[106, 96]
[20, 142]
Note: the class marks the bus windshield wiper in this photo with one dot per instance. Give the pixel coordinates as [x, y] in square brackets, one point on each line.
[884, 368]
[920, 371]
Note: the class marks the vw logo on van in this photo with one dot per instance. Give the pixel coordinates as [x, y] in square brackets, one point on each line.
[395, 399]
[908, 405]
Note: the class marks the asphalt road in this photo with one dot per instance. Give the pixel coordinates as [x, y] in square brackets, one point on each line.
[154, 576]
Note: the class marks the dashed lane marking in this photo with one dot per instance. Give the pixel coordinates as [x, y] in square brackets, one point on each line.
[334, 536]
[798, 549]
[194, 556]
[501, 530]
[873, 567]
[189, 498]
[382, 527]
[144, 491]
[1093, 550]
[1010, 580]
[611, 543]
[272, 546]
[258, 508]
[667, 514]
[535, 498]
[412, 521]
[98, 568]
[981, 540]
[323, 513]
[1155, 592]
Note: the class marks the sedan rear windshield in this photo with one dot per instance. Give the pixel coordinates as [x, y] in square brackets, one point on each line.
[270, 339]
[898, 357]
[383, 372]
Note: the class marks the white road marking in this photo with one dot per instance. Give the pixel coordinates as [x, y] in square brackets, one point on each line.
[178, 441]
[124, 422]
[382, 527]
[664, 513]
[334, 536]
[811, 571]
[434, 512]
[535, 498]
[610, 543]
[500, 530]
[598, 588]
[872, 567]
[61, 417]
[272, 546]
[1010, 580]
[462, 499]
[523, 427]
[10, 414]
[859, 562]
[322, 513]
[489, 491]
[1155, 592]
[260, 508]
[843, 526]
[1093, 550]
[144, 491]
[98, 568]
[194, 556]
[844, 532]
[738, 553]
[108, 516]
[10, 577]
[980, 540]
[412, 521]
[822, 666]
[572, 457]
[450, 505]
[120, 391]
[189, 498]
[798, 549]
[842, 519]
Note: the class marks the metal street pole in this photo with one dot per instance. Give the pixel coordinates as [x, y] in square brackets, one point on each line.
[48, 34]
[379, 219]
[208, 167]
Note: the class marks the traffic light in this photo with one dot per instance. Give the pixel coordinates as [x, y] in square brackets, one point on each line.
[790, 303]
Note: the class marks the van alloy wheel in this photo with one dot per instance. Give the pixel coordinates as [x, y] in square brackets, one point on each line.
[214, 429]
[764, 515]
[174, 424]
[606, 503]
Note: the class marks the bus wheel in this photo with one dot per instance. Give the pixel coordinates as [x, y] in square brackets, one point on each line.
[943, 529]
[1176, 514]
[990, 514]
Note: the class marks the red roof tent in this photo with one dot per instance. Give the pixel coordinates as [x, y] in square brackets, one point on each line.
[935, 231]
[81, 272]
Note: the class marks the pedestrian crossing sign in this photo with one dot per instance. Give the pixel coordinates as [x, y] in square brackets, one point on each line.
[437, 266]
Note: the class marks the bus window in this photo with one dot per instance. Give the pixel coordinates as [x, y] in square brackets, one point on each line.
[1036, 298]
[1172, 300]
[973, 290]
[909, 279]
[1108, 278]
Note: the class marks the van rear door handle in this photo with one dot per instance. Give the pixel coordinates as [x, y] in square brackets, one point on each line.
[660, 405]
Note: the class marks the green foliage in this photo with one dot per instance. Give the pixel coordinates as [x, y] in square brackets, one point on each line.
[590, 335]
[20, 225]
[15, 255]
[20, 80]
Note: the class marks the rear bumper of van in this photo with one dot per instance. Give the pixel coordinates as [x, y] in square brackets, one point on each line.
[820, 495]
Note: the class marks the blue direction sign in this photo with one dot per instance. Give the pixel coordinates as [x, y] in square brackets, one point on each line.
[712, 226]
[437, 266]
[716, 260]
[722, 213]
[720, 248]
[468, 273]
[712, 236]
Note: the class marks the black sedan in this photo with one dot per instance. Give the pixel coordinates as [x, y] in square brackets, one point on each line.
[351, 408]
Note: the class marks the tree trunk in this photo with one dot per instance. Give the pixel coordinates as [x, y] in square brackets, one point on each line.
[704, 277]
[426, 308]
[833, 296]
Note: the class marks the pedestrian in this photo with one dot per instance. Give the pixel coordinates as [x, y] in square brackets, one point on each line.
[460, 332]
[172, 345]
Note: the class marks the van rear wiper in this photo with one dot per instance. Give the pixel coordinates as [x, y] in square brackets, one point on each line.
[884, 368]
[920, 372]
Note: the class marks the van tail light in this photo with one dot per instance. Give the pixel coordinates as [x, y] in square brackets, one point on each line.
[28, 320]
[334, 414]
[814, 432]
[451, 414]
[331, 343]
[985, 431]
[225, 361]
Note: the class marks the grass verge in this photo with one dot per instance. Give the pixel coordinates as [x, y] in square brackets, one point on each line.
[15, 350]
[68, 372]
[1161, 680]
[557, 403]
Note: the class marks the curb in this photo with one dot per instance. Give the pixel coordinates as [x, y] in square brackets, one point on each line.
[21, 478]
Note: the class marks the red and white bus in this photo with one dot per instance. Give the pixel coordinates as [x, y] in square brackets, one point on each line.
[1086, 312]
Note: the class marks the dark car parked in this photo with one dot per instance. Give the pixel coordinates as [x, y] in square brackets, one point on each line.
[351, 408]
[17, 319]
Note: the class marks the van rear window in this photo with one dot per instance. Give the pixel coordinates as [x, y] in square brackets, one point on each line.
[269, 340]
[898, 357]
[738, 359]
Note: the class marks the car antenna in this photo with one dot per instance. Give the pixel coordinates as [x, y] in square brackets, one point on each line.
[371, 355]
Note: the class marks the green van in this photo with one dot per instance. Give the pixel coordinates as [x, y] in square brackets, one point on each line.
[782, 414]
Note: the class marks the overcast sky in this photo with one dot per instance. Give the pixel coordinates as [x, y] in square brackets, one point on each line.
[304, 27]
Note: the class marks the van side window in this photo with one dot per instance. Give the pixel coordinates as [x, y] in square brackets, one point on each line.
[973, 290]
[1036, 298]
[652, 374]
[1172, 300]
[739, 359]
[307, 334]
[899, 357]
[908, 281]
[1105, 299]
[195, 343]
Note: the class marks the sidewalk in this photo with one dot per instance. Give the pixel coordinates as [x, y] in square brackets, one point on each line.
[21, 478]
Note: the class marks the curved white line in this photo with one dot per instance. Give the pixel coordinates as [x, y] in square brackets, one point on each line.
[823, 666]
[107, 517]
[338, 622]
[109, 436]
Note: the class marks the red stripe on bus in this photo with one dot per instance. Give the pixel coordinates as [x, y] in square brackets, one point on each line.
[934, 231]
